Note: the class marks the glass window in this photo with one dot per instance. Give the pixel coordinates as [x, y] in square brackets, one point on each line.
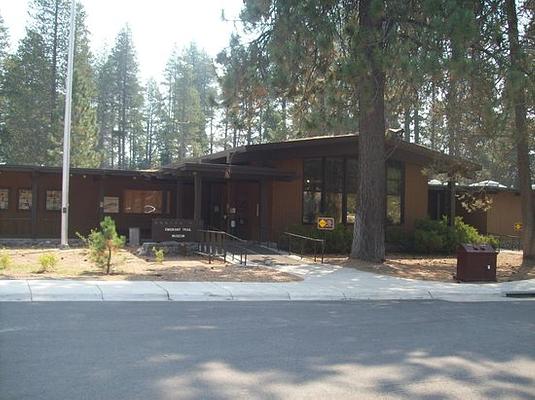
[334, 174]
[330, 184]
[312, 175]
[351, 208]
[311, 206]
[312, 187]
[25, 199]
[334, 187]
[4, 199]
[333, 206]
[393, 209]
[110, 205]
[143, 202]
[352, 176]
[53, 200]
[394, 186]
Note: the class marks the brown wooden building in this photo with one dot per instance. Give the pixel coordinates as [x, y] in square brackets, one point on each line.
[502, 215]
[255, 192]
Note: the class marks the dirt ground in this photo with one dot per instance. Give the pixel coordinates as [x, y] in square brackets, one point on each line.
[438, 268]
[75, 264]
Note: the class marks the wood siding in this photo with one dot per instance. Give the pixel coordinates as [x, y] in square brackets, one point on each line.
[287, 198]
[84, 198]
[504, 212]
[416, 195]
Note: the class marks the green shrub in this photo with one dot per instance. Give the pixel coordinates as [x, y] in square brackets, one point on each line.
[435, 236]
[47, 261]
[429, 241]
[398, 238]
[159, 255]
[103, 243]
[337, 241]
[429, 236]
[5, 260]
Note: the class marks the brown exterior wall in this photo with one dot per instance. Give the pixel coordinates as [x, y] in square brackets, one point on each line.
[416, 195]
[85, 197]
[287, 198]
[18, 223]
[478, 219]
[284, 201]
[504, 212]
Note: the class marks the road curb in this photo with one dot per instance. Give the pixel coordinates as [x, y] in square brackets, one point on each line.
[70, 290]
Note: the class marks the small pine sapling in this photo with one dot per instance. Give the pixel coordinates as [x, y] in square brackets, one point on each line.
[104, 242]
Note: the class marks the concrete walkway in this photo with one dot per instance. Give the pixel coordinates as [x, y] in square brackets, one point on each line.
[320, 282]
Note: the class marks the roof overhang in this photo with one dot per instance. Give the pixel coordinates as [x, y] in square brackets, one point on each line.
[78, 171]
[345, 145]
[227, 171]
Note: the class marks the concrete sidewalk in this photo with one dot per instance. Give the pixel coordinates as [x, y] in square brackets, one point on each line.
[320, 282]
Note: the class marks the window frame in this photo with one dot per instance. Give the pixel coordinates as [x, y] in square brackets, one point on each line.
[19, 190]
[401, 166]
[390, 163]
[165, 210]
[46, 198]
[8, 199]
[118, 205]
[303, 185]
[325, 192]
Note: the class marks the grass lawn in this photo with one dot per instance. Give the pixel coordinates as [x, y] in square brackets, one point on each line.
[438, 268]
[76, 264]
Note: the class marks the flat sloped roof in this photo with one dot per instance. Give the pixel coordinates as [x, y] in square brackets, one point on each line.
[344, 144]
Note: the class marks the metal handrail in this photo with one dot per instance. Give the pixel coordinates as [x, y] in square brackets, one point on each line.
[304, 239]
[214, 244]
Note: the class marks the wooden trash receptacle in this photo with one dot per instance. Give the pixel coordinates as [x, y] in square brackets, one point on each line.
[476, 263]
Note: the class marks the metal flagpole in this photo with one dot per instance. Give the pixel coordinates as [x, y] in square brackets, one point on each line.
[67, 134]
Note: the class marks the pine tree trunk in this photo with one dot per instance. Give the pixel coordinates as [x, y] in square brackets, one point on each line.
[234, 137]
[416, 123]
[518, 98]
[368, 239]
[225, 144]
[452, 100]
[433, 118]
[451, 114]
[407, 124]
[212, 133]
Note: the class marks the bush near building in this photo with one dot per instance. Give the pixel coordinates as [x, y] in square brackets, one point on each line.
[429, 236]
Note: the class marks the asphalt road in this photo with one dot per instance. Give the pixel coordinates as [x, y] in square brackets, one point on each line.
[271, 350]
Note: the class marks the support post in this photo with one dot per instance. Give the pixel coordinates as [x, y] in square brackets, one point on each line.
[100, 212]
[179, 199]
[197, 204]
[35, 203]
[264, 211]
[451, 192]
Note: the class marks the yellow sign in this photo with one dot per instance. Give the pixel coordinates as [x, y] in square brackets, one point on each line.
[326, 223]
[518, 226]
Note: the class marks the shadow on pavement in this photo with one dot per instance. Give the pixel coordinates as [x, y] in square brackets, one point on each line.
[405, 350]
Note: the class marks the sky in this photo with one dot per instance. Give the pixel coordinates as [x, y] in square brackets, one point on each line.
[157, 26]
